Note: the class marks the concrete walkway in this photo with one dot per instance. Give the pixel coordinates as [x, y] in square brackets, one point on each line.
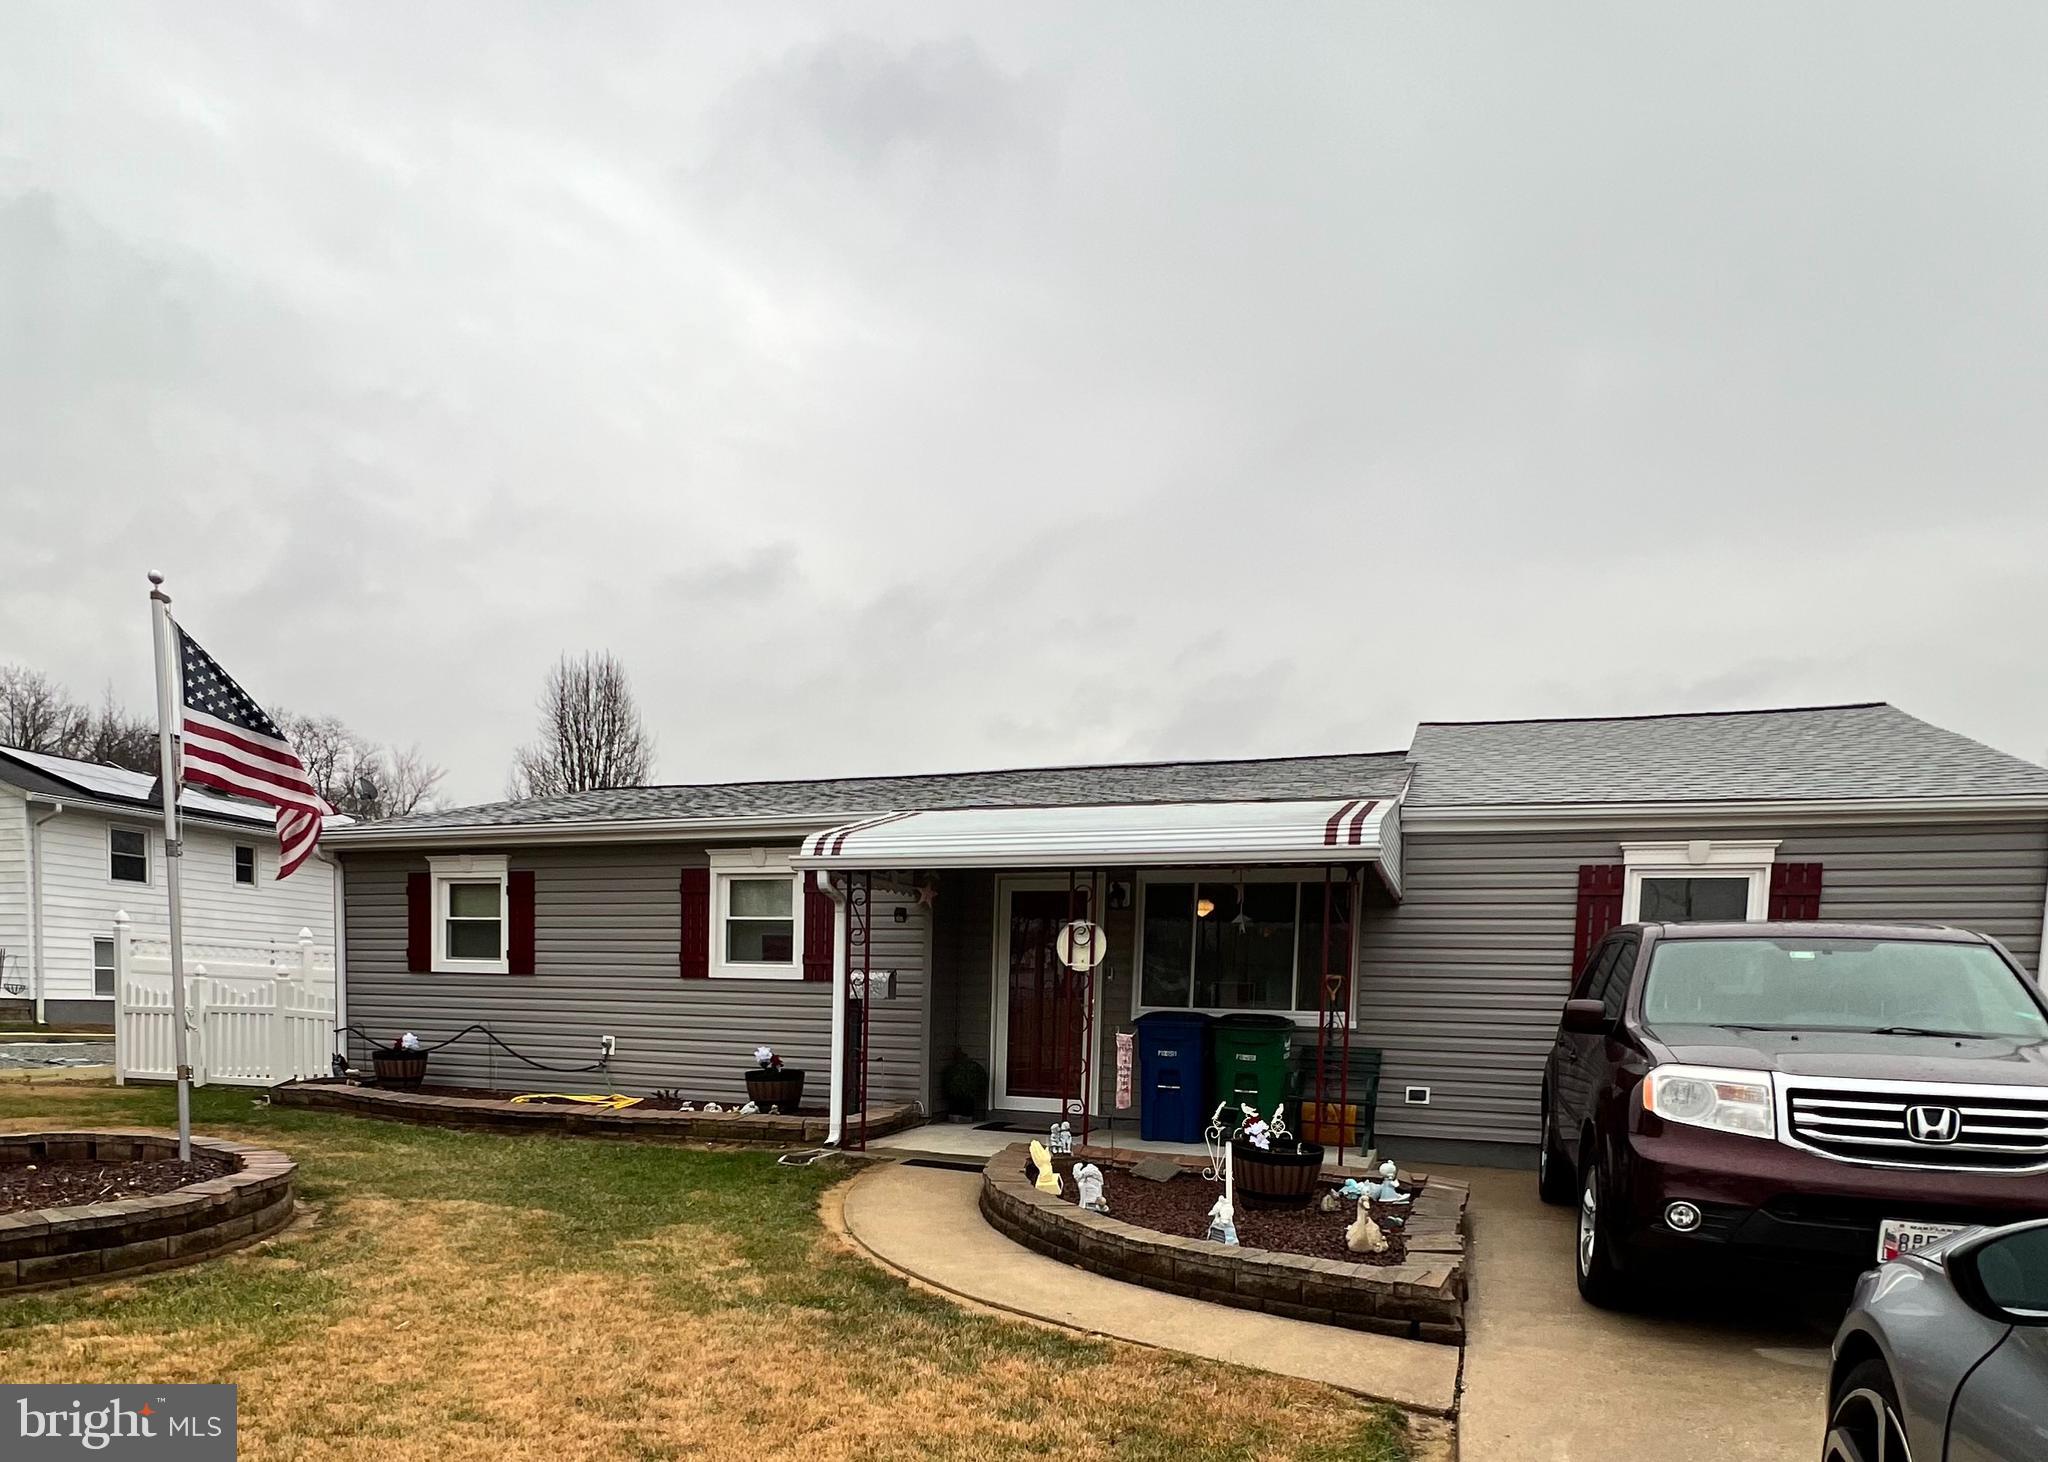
[1548, 1378]
[925, 1222]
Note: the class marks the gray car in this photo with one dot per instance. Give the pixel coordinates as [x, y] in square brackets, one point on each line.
[1944, 1354]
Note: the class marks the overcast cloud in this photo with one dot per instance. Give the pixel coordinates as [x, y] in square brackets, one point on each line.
[925, 387]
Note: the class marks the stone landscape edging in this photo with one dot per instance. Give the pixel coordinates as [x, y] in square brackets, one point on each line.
[46, 1248]
[1421, 1298]
[490, 1114]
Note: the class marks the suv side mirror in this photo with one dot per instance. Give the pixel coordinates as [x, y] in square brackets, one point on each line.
[1586, 1018]
[2004, 1273]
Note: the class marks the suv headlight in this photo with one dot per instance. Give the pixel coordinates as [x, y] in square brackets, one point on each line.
[1700, 1096]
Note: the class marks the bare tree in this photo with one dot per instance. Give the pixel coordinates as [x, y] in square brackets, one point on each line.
[37, 714]
[354, 774]
[409, 781]
[115, 738]
[591, 735]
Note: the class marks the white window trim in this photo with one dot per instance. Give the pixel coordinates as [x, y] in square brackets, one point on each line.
[1148, 876]
[471, 868]
[255, 865]
[730, 863]
[1699, 858]
[148, 858]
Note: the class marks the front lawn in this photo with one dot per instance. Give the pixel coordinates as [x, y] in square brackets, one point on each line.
[459, 1295]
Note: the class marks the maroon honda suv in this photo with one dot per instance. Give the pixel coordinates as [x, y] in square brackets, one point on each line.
[1818, 1090]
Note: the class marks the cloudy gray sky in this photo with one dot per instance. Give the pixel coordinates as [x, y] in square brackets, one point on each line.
[914, 387]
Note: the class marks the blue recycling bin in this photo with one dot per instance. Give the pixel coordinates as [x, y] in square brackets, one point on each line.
[1173, 1062]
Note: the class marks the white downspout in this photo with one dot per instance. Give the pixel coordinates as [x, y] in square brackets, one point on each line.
[838, 1104]
[35, 907]
[340, 957]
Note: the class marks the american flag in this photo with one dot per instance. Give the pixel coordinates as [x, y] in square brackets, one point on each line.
[231, 745]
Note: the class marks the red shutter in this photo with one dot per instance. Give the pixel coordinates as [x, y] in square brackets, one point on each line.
[1600, 887]
[419, 923]
[818, 929]
[694, 958]
[1795, 891]
[519, 941]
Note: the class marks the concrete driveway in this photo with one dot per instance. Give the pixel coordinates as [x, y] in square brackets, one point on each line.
[1739, 1376]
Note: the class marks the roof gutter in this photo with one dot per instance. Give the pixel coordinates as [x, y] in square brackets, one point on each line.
[153, 812]
[369, 836]
[1723, 814]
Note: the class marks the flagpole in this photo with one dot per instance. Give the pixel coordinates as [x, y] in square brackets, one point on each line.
[167, 702]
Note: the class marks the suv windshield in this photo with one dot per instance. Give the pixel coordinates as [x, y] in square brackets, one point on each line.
[1839, 984]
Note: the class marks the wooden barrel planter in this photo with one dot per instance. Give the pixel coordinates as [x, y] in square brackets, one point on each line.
[783, 1088]
[1282, 1176]
[398, 1069]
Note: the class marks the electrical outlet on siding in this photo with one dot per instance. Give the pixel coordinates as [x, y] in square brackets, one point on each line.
[1416, 1096]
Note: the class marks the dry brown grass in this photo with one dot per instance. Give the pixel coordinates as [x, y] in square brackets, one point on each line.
[487, 1308]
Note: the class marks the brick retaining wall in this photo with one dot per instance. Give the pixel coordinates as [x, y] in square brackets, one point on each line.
[1421, 1298]
[48, 1247]
[648, 1125]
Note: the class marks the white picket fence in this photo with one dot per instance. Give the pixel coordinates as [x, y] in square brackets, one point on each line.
[254, 1016]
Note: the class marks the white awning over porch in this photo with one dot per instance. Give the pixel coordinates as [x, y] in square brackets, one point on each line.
[1144, 835]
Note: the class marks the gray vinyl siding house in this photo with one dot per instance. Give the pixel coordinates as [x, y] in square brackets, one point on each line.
[1465, 860]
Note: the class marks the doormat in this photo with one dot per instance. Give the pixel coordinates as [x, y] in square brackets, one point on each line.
[1009, 1127]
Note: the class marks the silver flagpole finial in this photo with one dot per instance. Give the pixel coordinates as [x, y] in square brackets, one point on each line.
[155, 577]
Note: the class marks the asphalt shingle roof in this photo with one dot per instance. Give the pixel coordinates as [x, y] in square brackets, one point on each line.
[1816, 754]
[1813, 754]
[1370, 774]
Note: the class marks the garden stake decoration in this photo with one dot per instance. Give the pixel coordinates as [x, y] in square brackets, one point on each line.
[1222, 1217]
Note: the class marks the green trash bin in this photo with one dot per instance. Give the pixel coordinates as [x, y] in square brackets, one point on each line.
[1250, 1056]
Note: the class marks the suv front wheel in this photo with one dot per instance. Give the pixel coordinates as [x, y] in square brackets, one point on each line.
[1602, 1259]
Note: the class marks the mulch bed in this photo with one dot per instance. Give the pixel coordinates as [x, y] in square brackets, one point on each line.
[73, 1184]
[1181, 1205]
[660, 1102]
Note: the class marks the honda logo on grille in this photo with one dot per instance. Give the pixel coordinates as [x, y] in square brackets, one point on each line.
[1934, 1124]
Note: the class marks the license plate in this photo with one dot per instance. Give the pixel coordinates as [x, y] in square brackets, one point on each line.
[1896, 1236]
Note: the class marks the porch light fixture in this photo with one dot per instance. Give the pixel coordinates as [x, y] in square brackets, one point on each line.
[1204, 908]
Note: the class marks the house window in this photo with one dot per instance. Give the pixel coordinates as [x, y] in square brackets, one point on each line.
[1230, 946]
[471, 908]
[1697, 880]
[245, 863]
[127, 855]
[758, 927]
[103, 968]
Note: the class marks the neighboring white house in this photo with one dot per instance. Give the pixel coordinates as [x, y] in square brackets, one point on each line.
[80, 842]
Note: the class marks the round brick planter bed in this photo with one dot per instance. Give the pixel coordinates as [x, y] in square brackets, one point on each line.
[653, 1120]
[237, 1194]
[1181, 1207]
[1420, 1295]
